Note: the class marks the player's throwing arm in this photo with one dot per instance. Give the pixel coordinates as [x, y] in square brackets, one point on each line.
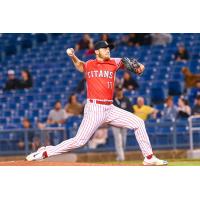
[78, 63]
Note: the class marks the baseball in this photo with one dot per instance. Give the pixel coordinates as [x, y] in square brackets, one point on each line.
[70, 51]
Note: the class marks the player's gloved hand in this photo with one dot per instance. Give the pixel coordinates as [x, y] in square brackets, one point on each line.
[133, 65]
[70, 52]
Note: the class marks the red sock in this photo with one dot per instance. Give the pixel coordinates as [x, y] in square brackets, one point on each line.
[149, 156]
[45, 155]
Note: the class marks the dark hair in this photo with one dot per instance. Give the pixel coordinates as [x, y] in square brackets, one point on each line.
[185, 101]
[58, 101]
[169, 98]
[28, 73]
[26, 119]
[70, 98]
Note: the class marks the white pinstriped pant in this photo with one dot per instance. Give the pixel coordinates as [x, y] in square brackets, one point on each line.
[94, 116]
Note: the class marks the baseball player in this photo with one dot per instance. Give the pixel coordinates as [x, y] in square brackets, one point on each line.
[99, 109]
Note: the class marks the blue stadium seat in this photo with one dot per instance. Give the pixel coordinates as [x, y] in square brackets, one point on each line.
[175, 88]
[158, 95]
[2, 121]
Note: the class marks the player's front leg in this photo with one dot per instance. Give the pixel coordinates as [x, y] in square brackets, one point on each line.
[86, 130]
[121, 118]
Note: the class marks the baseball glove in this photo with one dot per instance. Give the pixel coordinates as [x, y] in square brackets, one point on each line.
[132, 65]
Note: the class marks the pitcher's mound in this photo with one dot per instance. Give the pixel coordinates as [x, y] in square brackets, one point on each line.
[66, 157]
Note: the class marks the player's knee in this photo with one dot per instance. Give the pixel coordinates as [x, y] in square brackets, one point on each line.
[79, 142]
[82, 142]
[139, 123]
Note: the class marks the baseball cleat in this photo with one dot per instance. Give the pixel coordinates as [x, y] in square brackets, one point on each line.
[38, 155]
[154, 162]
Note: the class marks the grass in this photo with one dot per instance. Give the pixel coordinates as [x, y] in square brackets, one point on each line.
[181, 162]
[172, 162]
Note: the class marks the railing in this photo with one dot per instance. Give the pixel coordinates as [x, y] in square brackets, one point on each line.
[194, 125]
[9, 138]
[160, 138]
[159, 133]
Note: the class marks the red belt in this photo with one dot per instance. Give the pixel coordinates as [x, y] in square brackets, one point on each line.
[101, 102]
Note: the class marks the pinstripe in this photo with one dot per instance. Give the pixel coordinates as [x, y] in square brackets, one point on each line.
[125, 114]
[95, 116]
[145, 137]
[126, 120]
[139, 136]
[64, 146]
[92, 120]
[84, 128]
[121, 121]
[71, 142]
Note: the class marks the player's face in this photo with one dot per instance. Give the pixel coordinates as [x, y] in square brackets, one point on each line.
[103, 53]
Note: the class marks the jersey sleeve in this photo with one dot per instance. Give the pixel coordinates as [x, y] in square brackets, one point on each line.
[119, 63]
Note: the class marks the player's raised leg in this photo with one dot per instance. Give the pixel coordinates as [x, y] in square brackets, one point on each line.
[121, 118]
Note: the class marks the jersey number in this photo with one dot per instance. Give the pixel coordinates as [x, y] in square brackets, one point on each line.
[110, 85]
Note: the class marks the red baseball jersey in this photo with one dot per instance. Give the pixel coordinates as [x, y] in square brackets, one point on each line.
[100, 78]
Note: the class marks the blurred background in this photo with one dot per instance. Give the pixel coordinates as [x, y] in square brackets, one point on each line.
[42, 96]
